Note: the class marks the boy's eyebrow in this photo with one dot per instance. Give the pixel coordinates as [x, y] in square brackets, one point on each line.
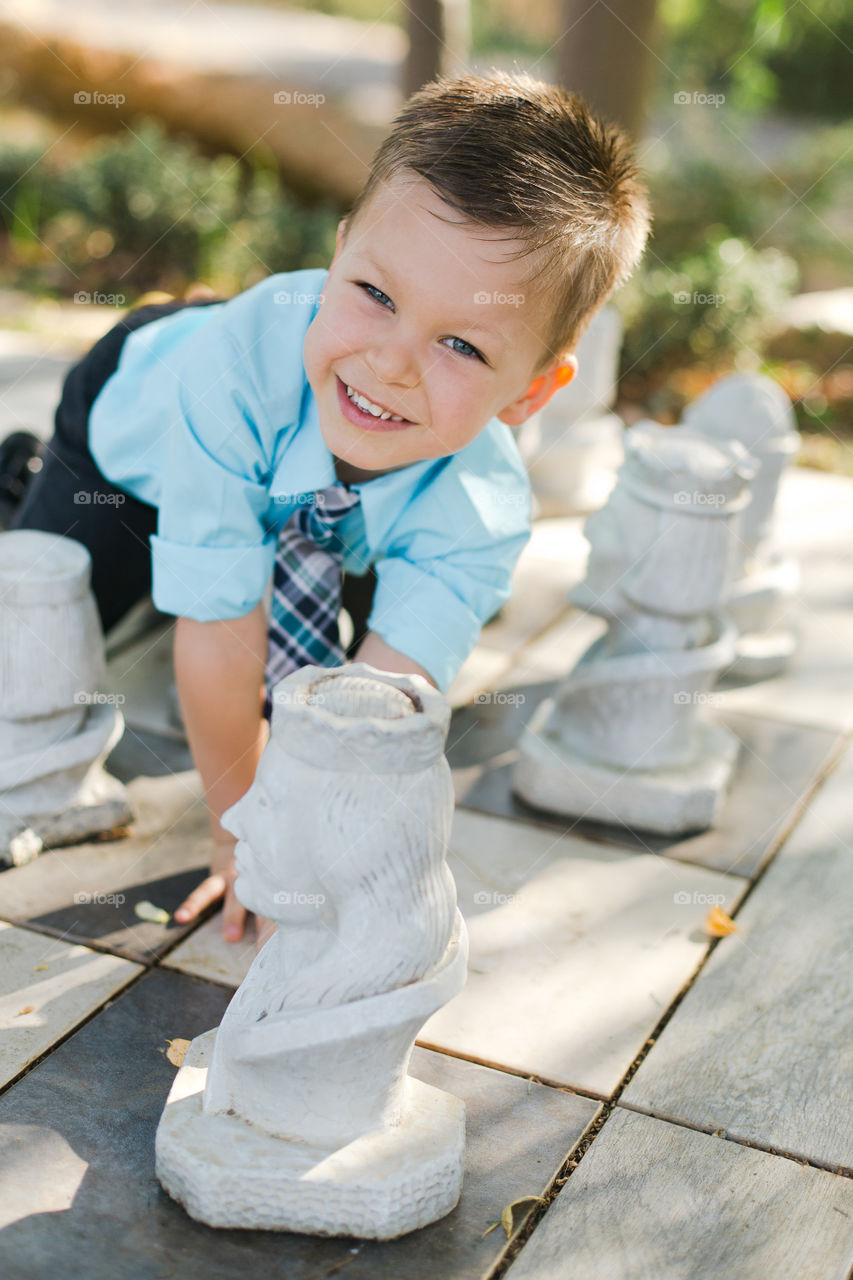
[467, 324]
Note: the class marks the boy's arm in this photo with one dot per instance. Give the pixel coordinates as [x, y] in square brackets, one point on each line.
[219, 668]
[375, 651]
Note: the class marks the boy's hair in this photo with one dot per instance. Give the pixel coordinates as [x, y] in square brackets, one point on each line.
[511, 152]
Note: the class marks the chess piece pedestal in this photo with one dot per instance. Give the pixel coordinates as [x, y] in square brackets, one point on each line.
[297, 1113]
[56, 727]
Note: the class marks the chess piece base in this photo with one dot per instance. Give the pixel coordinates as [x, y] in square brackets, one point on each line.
[666, 801]
[229, 1173]
[62, 794]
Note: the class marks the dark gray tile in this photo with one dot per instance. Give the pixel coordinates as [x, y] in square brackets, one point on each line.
[778, 768]
[77, 1166]
[87, 893]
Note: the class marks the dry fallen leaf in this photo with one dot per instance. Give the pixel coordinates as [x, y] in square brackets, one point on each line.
[39, 968]
[508, 1217]
[154, 915]
[28, 1008]
[176, 1051]
[718, 924]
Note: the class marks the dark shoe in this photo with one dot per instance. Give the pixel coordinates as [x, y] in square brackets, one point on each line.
[21, 456]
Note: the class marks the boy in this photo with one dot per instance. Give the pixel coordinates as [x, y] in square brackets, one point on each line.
[496, 218]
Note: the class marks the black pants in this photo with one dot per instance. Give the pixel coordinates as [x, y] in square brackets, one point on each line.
[71, 497]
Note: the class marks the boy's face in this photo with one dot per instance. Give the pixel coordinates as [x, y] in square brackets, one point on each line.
[428, 320]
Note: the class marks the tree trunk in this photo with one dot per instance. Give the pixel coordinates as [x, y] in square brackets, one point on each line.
[439, 41]
[605, 54]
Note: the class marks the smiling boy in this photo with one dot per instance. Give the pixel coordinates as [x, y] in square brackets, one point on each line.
[497, 217]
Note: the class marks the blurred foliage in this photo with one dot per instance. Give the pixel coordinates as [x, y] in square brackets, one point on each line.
[733, 238]
[146, 211]
[787, 54]
[761, 53]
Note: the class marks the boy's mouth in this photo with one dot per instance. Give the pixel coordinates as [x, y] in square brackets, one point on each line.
[354, 406]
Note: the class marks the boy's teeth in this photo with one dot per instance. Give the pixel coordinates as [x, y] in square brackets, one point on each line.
[370, 407]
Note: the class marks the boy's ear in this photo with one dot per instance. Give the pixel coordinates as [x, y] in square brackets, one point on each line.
[339, 240]
[539, 392]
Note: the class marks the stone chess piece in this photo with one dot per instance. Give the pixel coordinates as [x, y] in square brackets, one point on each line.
[573, 447]
[624, 741]
[56, 727]
[297, 1113]
[753, 409]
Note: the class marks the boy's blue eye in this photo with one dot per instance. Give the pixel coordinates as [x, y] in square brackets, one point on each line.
[382, 299]
[472, 351]
[374, 292]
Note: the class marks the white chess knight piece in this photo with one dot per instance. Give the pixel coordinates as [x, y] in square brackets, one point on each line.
[624, 739]
[753, 409]
[297, 1113]
[55, 731]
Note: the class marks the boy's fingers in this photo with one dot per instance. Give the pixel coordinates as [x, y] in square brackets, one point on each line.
[233, 916]
[210, 890]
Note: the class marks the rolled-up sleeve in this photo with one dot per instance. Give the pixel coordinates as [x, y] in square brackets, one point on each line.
[450, 556]
[213, 552]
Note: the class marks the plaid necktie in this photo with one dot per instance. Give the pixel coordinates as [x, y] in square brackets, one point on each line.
[306, 597]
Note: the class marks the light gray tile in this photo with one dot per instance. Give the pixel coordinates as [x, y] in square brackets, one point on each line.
[651, 1201]
[817, 688]
[576, 949]
[205, 953]
[46, 988]
[762, 1045]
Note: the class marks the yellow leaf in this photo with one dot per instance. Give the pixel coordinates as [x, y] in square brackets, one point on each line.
[154, 915]
[508, 1216]
[718, 924]
[28, 1008]
[176, 1051]
[39, 968]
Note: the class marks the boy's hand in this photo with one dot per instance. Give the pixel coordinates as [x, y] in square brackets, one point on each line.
[219, 882]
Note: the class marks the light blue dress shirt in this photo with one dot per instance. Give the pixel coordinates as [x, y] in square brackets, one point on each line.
[210, 418]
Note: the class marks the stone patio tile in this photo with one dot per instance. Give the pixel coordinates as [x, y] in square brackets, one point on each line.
[817, 688]
[551, 563]
[89, 1113]
[46, 988]
[480, 670]
[142, 674]
[778, 767]
[656, 1201]
[31, 376]
[576, 949]
[87, 892]
[204, 953]
[762, 1046]
[813, 510]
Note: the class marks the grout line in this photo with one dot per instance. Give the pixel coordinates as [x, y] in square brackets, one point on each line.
[515, 1245]
[559, 1086]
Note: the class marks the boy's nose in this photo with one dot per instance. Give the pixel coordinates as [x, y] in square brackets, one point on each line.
[393, 365]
